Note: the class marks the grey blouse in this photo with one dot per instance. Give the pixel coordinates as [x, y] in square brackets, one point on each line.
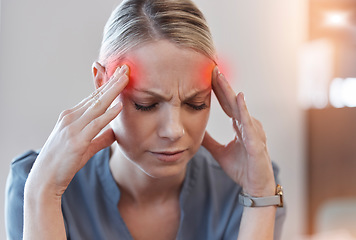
[208, 200]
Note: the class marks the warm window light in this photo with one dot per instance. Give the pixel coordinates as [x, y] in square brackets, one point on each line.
[336, 19]
[343, 92]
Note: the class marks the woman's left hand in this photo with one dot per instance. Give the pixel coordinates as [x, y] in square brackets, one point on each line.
[245, 159]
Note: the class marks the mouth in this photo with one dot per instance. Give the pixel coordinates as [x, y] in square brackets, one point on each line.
[168, 156]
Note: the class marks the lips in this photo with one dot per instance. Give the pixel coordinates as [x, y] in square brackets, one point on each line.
[168, 156]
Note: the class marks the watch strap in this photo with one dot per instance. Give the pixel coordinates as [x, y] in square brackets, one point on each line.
[249, 201]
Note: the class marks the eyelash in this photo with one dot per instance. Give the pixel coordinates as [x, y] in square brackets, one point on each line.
[145, 108]
[197, 107]
[151, 107]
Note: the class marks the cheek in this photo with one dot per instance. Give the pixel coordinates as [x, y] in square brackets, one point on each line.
[196, 124]
[130, 128]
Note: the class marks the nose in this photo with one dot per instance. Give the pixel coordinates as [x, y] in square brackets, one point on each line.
[171, 126]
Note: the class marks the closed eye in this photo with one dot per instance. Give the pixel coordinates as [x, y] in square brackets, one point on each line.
[197, 107]
[151, 107]
[145, 108]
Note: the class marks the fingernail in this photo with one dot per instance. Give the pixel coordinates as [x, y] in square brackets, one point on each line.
[116, 73]
[117, 105]
[217, 69]
[222, 76]
[243, 96]
[123, 69]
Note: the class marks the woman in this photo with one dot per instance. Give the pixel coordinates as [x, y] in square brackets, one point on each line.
[133, 160]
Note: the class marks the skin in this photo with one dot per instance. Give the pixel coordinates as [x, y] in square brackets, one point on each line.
[180, 78]
[167, 86]
[174, 88]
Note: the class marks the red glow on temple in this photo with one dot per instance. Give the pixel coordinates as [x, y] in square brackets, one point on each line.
[206, 73]
[133, 74]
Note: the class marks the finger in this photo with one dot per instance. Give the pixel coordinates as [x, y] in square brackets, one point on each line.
[246, 121]
[102, 141]
[225, 95]
[212, 145]
[245, 117]
[75, 112]
[259, 129]
[237, 129]
[69, 116]
[95, 126]
[220, 93]
[96, 95]
[88, 98]
[102, 103]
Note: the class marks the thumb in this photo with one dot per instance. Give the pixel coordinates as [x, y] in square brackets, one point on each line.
[100, 142]
[212, 145]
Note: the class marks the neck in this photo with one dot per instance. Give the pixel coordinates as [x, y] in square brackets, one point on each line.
[138, 186]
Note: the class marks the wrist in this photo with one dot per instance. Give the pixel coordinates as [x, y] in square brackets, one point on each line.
[43, 218]
[268, 189]
[40, 191]
[272, 200]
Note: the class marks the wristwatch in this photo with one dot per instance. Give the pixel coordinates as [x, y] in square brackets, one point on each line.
[276, 200]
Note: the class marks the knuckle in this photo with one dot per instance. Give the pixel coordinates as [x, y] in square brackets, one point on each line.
[64, 113]
[257, 122]
[259, 126]
[264, 137]
[251, 144]
[96, 123]
[67, 119]
[95, 104]
[257, 146]
[254, 122]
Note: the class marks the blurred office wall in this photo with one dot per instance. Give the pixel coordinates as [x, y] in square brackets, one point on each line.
[329, 59]
[47, 48]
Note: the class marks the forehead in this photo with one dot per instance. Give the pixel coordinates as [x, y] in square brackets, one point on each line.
[164, 64]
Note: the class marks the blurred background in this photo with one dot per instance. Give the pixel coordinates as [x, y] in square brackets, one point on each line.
[295, 60]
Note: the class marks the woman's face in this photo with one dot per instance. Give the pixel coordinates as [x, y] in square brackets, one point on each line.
[166, 107]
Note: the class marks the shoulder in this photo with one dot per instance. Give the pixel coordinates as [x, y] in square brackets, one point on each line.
[22, 164]
[19, 170]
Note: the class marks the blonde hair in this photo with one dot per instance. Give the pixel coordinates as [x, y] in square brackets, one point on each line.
[136, 22]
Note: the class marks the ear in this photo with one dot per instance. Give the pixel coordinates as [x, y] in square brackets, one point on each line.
[99, 74]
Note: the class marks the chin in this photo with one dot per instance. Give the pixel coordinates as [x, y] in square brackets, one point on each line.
[166, 172]
[158, 169]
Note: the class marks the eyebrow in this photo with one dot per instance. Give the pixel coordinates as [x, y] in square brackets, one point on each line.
[162, 97]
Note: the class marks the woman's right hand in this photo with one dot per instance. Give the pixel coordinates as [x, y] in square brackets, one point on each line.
[74, 139]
